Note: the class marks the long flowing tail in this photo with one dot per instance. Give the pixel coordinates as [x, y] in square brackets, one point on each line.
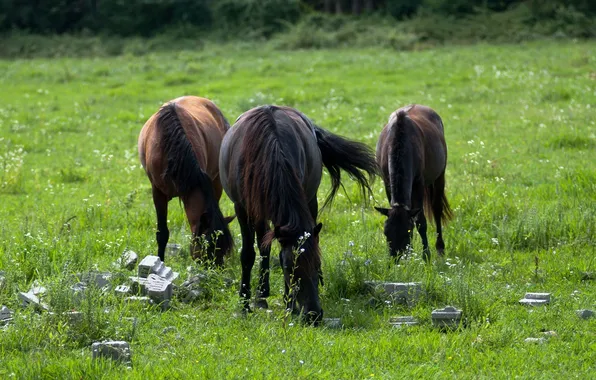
[435, 202]
[183, 167]
[353, 157]
[271, 188]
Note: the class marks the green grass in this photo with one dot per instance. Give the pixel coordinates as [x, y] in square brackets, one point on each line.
[521, 178]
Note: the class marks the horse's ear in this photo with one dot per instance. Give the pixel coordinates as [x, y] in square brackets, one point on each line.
[414, 212]
[384, 211]
[318, 228]
[228, 219]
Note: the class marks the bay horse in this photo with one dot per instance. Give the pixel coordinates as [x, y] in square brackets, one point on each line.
[412, 155]
[271, 164]
[179, 150]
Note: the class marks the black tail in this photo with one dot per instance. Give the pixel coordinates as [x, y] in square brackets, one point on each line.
[184, 169]
[435, 202]
[353, 157]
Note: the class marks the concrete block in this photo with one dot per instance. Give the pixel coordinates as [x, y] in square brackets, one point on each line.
[31, 299]
[403, 321]
[122, 290]
[535, 340]
[152, 264]
[114, 350]
[97, 279]
[5, 315]
[535, 299]
[139, 299]
[138, 285]
[406, 293]
[158, 289]
[129, 259]
[332, 323]
[446, 317]
[38, 290]
[585, 313]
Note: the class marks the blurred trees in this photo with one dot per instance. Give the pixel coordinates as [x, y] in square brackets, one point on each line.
[264, 17]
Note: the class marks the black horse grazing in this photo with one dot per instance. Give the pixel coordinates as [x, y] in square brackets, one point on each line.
[271, 164]
[412, 155]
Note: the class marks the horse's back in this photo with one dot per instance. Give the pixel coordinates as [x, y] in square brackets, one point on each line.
[204, 126]
[296, 138]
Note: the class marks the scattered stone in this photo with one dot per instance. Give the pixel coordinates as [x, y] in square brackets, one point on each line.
[32, 299]
[101, 280]
[446, 317]
[332, 323]
[152, 264]
[139, 299]
[585, 313]
[38, 290]
[122, 290]
[191, 296]
[159, 290]
[550, 333]
[5, 315]
[535, 299]
[173, 249]
[403, 321]
[115, 350]
[168, 329]
[400, 292]
[138, 285]
[535, 340]
[129, 260]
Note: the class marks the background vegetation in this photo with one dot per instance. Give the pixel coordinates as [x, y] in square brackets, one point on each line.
[521, 179]
[398, 24]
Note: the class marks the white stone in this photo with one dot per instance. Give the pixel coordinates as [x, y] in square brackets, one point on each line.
[403, 321]
[400, 292]
[122, 290]
[115, 350]
[152, 264]
[5, 315]
[31, 299]
[446, 317]
[535, 299]
[332, 323]
[585, 313]
[535, 340]
[158, 289]
[129, 260]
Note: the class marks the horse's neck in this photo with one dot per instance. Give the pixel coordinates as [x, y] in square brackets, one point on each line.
[403, 167]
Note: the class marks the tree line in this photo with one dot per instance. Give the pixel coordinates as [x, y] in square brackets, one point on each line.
[150, 17]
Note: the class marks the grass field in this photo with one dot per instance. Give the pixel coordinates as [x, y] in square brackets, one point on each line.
[521, 130]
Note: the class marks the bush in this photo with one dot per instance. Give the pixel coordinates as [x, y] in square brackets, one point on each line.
[255, 17]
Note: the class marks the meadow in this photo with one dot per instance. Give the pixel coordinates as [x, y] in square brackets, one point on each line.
[520, 124]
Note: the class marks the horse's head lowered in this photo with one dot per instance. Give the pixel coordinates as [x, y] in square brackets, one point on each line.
[300, 259]
[399, 227]
[212, 239]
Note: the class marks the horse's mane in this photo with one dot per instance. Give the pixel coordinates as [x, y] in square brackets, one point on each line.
[271, 187]
[183, 167]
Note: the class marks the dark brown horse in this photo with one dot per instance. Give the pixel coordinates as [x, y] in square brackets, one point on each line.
[271, 165]
[412, 155]
[179, 149]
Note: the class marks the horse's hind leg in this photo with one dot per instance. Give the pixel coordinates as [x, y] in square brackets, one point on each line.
[160, 200]
[437, 207]
[247, 254]
[264, 287]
